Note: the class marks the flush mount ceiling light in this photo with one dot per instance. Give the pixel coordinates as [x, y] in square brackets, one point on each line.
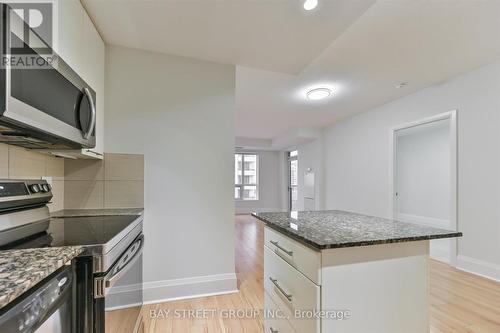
[318, 94]
[310, 4]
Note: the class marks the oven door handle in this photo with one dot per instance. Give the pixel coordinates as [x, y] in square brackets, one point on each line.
[119, 269]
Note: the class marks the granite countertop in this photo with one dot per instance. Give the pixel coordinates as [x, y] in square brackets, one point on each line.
[96, 212]
[22, 269]
[321, 230]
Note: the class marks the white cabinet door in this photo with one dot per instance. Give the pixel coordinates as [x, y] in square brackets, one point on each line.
[70, 33]
[93, 74]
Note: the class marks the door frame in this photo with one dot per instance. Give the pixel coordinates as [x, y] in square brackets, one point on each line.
[452, 117]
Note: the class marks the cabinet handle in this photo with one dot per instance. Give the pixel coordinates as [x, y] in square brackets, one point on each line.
[276, 284]
[290, 253]
[273, 330]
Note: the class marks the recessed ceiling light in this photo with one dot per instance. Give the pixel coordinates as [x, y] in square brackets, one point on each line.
[401, 85]
[318, 93]
[310, 4]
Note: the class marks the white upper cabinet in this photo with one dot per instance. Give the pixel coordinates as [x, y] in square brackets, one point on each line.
[93, 73]
[70, 32]
[82, 48]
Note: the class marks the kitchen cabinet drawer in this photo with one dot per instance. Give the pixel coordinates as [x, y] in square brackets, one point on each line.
[291, 291]
[299, 256]
[275, 323]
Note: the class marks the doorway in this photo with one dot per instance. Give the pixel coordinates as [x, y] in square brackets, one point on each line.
[293, 180]
[424, 175]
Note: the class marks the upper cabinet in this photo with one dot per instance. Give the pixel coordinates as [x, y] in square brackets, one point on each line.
[70, 33]
[82, 48]
[93, 73]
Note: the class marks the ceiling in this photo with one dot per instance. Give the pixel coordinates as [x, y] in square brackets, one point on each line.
[277, 35]
[360, 48]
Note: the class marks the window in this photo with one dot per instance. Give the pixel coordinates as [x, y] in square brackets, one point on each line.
[246, 175]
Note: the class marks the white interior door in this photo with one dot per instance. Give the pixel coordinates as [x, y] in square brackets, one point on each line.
[422, 179]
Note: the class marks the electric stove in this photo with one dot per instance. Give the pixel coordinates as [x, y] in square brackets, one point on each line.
[108, 278]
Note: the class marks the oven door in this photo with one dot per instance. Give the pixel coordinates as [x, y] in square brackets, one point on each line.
[47, 309]
[48, 102]
[118, 293]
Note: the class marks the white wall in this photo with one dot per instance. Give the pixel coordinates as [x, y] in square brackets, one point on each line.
[269, 185]
[179, 113]
[423, 171]
[357, 160]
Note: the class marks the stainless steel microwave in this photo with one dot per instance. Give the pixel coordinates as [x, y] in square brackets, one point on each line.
[42, 106]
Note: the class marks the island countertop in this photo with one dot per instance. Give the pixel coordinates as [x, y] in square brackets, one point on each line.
[330, 229]
[22, 269]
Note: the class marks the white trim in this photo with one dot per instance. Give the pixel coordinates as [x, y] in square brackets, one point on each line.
[193, 287]
[125, 289]
[121, 307]
[191, 297]
[452, 117]
[479, 267]
[124, 294]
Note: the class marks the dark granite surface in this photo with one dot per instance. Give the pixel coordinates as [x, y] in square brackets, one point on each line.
[335, 229]
[22, 269]
[97, 212]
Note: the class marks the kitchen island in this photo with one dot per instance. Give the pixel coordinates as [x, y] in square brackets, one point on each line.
[335, 271]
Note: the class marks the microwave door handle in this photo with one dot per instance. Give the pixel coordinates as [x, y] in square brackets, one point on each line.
[102, 284]
[88, 133]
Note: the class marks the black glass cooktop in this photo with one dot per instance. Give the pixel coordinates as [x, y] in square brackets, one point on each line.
[88, 230]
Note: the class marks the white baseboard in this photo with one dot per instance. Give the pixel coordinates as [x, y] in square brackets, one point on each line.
[425, 220]
[479, 267]
[201, 286]
[122, 297]
[191, 297]
[121, 307]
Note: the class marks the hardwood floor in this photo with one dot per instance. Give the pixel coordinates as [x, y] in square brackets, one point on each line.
[460, 302]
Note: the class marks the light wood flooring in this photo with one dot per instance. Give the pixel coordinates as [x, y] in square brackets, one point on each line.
[460, 302]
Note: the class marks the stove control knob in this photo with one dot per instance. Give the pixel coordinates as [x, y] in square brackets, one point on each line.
[34, 188]
[45, 188]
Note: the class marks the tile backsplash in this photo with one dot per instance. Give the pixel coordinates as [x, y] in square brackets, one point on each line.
[117, 181]
[19, 163]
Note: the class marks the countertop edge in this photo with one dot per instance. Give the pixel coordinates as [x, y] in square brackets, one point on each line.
[67, 213]
[301, 240]
[49, 268]
[317, 247]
